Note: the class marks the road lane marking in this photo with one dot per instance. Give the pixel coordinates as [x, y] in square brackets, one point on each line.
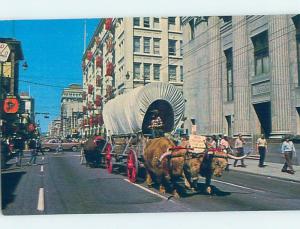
[238, 186]
[41, 200]
[148, 190]
[42, 168]
[43, 158]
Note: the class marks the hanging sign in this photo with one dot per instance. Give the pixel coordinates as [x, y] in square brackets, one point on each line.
[4, 52]
[11, 105]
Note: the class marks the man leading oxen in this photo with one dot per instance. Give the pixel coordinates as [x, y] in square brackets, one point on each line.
[166, 163]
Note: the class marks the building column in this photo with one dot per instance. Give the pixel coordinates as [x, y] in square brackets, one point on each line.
[280, 80]
[240, 76]
[215, 77]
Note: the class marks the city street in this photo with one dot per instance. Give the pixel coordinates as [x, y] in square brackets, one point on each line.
[60, 185]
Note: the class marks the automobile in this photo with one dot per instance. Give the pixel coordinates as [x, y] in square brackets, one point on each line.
[52, 144]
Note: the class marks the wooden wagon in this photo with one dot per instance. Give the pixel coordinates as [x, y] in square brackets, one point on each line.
[127, 119]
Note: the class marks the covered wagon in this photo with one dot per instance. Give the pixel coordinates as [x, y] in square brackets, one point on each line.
[127, 119]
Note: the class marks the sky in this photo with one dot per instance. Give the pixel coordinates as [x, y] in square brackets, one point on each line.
[53, 50]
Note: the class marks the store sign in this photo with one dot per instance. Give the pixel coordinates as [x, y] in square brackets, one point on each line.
[4, 52]
[11, 105]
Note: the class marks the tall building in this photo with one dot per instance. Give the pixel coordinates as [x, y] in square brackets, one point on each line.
[126, 53]
[54, 128]
[242, 74]
[71, 110]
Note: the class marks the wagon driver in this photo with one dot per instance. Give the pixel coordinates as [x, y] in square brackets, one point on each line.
[156, 125]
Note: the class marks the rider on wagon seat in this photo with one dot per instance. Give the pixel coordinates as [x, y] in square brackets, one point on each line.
[156, 126]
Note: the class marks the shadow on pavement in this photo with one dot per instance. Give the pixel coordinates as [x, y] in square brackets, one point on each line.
[9, 182]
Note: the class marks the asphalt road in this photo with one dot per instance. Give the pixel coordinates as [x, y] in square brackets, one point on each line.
[60, 185]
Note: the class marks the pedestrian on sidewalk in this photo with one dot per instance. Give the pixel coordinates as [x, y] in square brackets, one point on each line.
[19, 147]
[225, 147]
[261, 148]
[288, 149]
[239, 146]
[32, 147]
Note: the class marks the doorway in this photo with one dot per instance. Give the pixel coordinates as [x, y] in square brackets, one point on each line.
[263, 111]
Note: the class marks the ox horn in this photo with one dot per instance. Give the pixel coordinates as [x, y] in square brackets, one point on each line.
[238, 158]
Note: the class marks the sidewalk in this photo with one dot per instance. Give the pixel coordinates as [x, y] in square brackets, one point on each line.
[271, 170]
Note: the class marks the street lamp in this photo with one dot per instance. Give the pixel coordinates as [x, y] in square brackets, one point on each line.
[25, 66]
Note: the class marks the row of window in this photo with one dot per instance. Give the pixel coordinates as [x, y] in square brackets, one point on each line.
[172, 69]
[261, 61]
[155, 23]
[172, 44]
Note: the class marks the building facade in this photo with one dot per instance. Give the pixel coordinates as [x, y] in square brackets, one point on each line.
[126, 53]
[9, 84]
[71, 110]
[54, 128]
[242, 74]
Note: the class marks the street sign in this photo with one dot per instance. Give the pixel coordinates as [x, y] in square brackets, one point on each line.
[11, 105]
[4, 52]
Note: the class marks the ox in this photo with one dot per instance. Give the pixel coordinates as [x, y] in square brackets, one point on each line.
[166, 167]
[93, 148]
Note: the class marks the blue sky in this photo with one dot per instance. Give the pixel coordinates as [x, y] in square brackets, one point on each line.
[53, 50]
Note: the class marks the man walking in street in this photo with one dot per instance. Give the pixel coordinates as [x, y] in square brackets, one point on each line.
[239, 146]
[261, 148]
[288, 149]
[32, 147]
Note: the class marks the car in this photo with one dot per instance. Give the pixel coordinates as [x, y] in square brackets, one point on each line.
[52, 145]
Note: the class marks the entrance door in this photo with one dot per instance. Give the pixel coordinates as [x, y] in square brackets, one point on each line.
[263, 111]
[298, 120]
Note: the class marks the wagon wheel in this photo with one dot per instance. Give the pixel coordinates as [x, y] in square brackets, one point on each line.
[132, 166]
[108, 159]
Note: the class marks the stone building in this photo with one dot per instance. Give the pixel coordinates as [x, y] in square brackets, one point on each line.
[242, 74]
[54, 128]
[71, 110]
[125, 53]
[27, 106]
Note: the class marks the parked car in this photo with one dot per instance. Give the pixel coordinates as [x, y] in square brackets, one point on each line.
[52, 144]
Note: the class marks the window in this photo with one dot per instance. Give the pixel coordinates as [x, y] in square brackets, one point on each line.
[181, 49]
[136, 70]
[147, 22]
[136, 44]
[146, 44]
[261, 53]
[156, 46]
[172, 47]
[171, 23]
[156, 23]
[228, 54]
[172, 72]
[192, 29]
[147, 71]
[136, 21]
[181, 73]
[156, 71]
